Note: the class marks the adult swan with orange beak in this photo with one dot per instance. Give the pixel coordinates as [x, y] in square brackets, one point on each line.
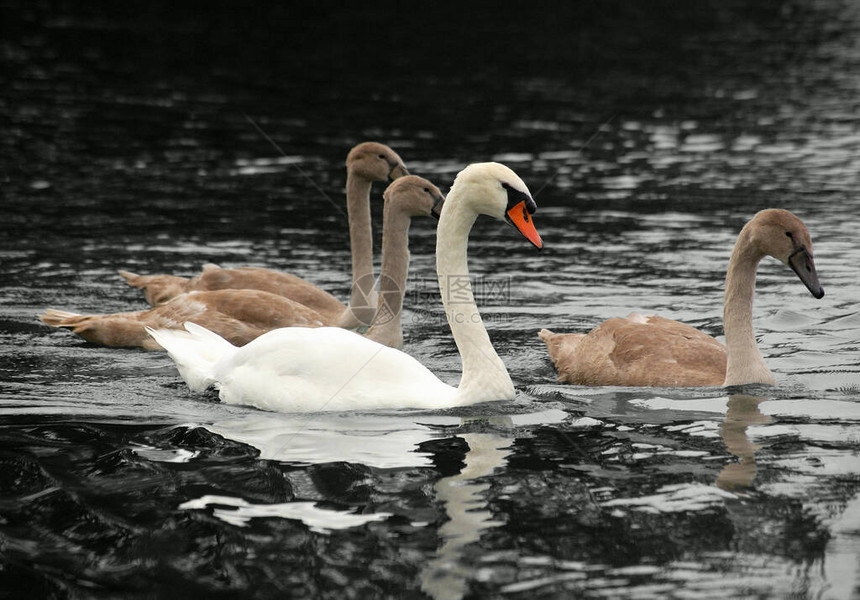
[306, 370]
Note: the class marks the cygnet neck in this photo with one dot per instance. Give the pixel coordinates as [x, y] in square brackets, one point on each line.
[362, 304]
[744, 360]
[386, 328]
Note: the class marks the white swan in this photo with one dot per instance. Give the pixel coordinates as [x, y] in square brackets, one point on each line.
[295, 369]
[653, 351]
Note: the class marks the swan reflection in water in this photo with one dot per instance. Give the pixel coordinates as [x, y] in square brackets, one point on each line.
[446, 575]
[385, 442]
[743, 411]
[834, 572]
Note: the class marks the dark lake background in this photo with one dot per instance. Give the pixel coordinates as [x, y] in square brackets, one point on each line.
[160, 136]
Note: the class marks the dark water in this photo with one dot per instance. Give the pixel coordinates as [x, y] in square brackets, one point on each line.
[648, 132]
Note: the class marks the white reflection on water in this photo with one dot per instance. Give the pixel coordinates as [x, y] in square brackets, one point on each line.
[383, 442]
[386, 442]
[674, 498]
[446, 576]
[237, 511]
[380, 440]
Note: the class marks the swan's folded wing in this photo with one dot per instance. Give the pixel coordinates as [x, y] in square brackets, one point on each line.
[297, 369]
[663, 352]
[286, 285]
[259, 309]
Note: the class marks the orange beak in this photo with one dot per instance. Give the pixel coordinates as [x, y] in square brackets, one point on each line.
[520, 218]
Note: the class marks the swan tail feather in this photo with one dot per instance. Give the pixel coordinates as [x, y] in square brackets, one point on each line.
[546, 335]
[196, 351]
[157, 289]
[550, 339]
[132, 279]
[60, 318]
[560, 346]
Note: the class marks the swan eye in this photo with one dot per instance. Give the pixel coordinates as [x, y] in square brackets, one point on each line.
[788, 233]
[382, 156]
[427, 190]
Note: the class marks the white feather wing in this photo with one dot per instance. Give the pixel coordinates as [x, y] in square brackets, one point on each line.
[298, 369]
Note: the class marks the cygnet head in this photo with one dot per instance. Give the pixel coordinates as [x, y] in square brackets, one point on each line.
[415, 197]
[375, 162]
[782, 235]
[495, 190]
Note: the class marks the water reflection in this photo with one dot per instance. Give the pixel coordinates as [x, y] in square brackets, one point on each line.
[382, 442]
[239, 512]
[840, 563]
[385, 442]
[743, 411]
[446, 575]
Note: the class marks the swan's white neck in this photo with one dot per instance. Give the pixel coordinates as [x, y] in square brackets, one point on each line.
[386, 328]
[484, 374]
[744, 361]
[362, 303]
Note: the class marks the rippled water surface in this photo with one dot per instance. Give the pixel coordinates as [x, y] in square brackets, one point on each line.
[159, 138]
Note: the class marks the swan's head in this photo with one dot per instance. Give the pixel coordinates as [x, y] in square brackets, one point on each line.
[375, 162]
[782, 235]
[415, 197]
[495, 190]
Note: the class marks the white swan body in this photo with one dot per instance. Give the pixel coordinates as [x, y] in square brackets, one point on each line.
[296, 369]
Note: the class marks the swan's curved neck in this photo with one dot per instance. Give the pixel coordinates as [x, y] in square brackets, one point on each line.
[386, 328]
[361, 300]
[744, 361]
[484, 374]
